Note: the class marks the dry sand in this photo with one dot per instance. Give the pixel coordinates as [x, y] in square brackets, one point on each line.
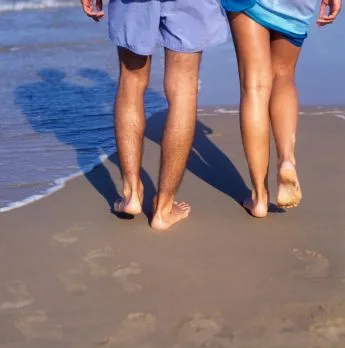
[74, 275]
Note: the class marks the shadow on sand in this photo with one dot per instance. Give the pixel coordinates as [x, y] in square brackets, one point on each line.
[80, 116]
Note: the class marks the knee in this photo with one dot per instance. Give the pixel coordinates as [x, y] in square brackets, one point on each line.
[261, 85]
[178, 89]
[285, 72]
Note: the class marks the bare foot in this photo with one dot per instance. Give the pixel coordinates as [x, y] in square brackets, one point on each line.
[257, 207]
[163, 221]
[289, 190]
[131, 204]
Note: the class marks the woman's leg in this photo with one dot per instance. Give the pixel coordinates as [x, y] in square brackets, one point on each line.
[252, 43]
[284, 113]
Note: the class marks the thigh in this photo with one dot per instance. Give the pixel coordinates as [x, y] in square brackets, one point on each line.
[252, 43]
[182, 65]
[181, 73]
[284, 55]
[134, 70]
[130, 61]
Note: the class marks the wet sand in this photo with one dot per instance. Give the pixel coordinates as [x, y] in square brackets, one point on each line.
[75, 275]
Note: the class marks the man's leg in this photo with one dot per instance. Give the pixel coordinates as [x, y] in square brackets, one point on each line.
[129, 119]
[181, 89]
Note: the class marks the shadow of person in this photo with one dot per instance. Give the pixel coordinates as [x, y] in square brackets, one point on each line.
[207, 161]
[79, 116]
[212, 165]
[106, 87]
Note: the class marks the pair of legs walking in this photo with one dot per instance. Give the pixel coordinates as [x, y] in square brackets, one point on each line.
[266, 63]
[181, 89]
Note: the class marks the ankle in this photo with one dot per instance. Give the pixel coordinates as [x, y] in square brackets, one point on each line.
[260, 194]
[287, 160]
[132, 187]
[163, 203]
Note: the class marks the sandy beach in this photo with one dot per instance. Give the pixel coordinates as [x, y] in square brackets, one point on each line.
[75, 275]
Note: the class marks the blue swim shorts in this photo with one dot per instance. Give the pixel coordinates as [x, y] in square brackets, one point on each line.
[180, 25]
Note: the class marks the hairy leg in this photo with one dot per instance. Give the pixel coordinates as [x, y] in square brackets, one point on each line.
[129, 119]
[252, 43]
[181, 89]
[284, 117]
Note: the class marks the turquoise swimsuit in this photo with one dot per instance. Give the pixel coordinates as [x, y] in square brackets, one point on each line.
[289, 17]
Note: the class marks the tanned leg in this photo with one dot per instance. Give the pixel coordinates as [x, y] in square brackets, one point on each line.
[284, 117]
[129, 119]
[181, 89]
[252, 43]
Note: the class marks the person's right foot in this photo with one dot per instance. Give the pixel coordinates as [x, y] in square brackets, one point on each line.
[289, 190]
[162, 221]
[130, 204]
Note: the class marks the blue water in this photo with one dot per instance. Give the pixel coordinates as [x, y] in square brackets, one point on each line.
[58, 79]
[18, 5]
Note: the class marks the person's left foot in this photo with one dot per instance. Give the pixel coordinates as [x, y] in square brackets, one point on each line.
[162, 221]
[256, 207]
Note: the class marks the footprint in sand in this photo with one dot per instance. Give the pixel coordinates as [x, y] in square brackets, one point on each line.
[21, 297]
[72, 285]
[333, 330]
[67, 237]
[34, 325]
[134, 329]
[100, 262]
[317, 265]
[285, 340]
[122, 275]
[201, 332]
[279, 332]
